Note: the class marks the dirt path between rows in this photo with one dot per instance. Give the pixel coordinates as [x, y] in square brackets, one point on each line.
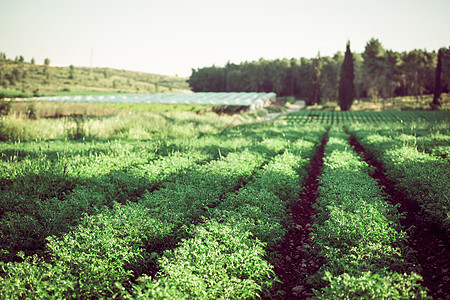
[295, 264]
[430, 243]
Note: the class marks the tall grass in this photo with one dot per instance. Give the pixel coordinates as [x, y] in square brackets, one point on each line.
[130, 125]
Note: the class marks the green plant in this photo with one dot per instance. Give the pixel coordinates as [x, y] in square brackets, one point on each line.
[219, 261]
[417, 174]
[357, 231]
[370, 285]
[33, 278]
[105, 248]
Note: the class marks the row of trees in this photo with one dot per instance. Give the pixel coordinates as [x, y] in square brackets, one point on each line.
[20, 59]
[377, 73]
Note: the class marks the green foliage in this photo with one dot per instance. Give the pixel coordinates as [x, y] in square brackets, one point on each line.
[34, 278]
[163, 288]
[377, 73]
[45, 195]
[201, 214]
[376, 118]
[219, 261]
[138, 125]
[357, 231]
[105, 248]
[281, 177]
[188, 197]
[417, 174]
[370, 285]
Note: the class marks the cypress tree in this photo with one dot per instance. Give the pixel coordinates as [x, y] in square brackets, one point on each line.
[346, 84]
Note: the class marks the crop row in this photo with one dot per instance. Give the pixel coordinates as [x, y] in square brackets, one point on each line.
[374, 117]
[419, 169]
[100, 251]
[430, 137]
[225, 258]
[117, 243]
[357, 232]
[41, 198]
[47, 186]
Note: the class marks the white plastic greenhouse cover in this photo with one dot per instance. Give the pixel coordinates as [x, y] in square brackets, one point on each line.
[254, 100]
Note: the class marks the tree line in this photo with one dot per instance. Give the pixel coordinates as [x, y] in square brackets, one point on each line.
[17, 74]
[376, 73]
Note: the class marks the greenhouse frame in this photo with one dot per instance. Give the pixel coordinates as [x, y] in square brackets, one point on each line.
[251, 100]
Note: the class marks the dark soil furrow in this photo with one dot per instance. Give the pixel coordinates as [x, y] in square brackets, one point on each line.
[430, 243]
[295, 262]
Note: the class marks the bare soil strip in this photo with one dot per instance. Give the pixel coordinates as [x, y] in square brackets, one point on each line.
[430, 243]
[295, 262]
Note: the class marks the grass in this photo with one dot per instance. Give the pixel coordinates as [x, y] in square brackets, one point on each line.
[60, 109]
[76, 121]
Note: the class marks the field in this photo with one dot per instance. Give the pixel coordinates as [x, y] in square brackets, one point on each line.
[316, 204]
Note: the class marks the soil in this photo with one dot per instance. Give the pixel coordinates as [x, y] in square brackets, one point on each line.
[430, 243]
[295, 262]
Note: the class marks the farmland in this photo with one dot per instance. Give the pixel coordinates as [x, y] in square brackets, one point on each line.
[207, 210]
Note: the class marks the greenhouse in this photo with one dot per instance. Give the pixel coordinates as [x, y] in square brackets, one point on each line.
[251, 100]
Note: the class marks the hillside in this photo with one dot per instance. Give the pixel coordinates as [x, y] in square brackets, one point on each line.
[21, 79]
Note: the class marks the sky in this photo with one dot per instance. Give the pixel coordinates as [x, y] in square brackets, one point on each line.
[172, 37]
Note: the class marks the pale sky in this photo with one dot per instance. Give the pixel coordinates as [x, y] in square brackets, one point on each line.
[173, 36]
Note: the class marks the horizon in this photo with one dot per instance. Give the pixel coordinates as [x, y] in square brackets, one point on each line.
[174, 37]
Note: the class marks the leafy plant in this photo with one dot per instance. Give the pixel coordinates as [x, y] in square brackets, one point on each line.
[370, 285]
[357, 232]
[219, 261]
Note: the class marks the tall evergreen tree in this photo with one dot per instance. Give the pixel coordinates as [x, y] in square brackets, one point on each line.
[346, 83]
[437, 83]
